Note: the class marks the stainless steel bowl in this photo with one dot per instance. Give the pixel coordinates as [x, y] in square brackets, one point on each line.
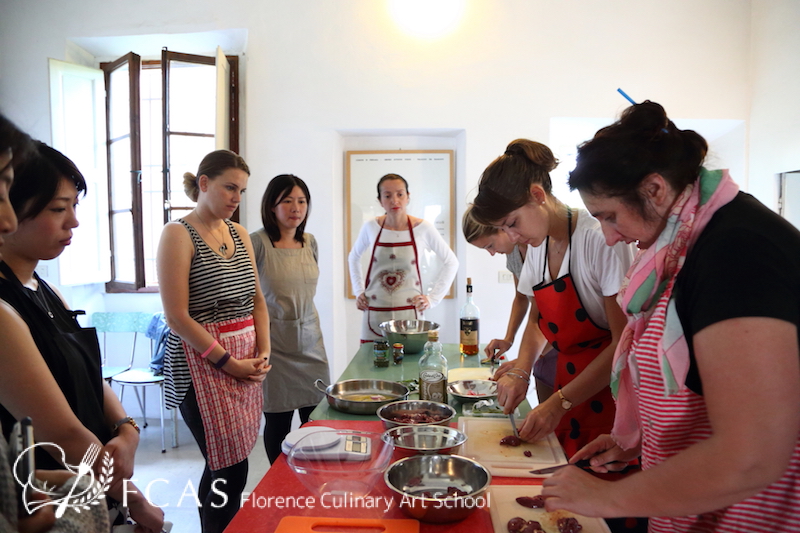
[344, 395]
[412, 334]
[426, 440]
[473, 389]
[418, 409]
[421, 484]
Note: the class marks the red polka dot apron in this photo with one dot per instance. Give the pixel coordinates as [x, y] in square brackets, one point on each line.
[393, 279]
[231, 409]
[567, 325]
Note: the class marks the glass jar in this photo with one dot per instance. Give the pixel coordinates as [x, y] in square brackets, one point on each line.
[380, 352]
[397, 353]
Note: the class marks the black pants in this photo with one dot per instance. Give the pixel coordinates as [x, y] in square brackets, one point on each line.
[215, 511]
[276, 428]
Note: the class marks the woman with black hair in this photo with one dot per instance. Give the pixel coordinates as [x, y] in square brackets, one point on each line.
[287, 261]
[71, 405]
[707, 372]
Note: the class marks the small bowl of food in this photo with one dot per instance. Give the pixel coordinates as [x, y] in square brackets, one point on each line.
[473, 389]
[438, 488]
[424, 440]
[415, 413]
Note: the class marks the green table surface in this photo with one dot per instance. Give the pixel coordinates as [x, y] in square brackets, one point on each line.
[362, 367]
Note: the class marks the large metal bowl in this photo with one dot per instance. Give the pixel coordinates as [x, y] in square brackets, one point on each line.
[345, 396]
[421, 484]
[415, 409]
[424, 440]
[412, 334]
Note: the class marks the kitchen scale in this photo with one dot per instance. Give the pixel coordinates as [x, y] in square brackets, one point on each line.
[327, 444]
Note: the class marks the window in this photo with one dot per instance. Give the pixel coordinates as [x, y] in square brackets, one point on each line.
[162, 117]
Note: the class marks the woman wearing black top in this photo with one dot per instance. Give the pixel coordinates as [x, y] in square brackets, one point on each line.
[50, 365]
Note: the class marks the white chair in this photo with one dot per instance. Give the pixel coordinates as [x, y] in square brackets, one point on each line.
[132, 323]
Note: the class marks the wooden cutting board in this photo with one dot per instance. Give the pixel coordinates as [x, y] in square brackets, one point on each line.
[457, 374]
[311, 524]
[504, 507]
[483, 445]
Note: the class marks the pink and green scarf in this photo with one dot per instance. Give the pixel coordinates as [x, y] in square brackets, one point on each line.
[646, 298]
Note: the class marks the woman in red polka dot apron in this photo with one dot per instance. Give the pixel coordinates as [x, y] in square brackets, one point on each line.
[573, 278]
[567, 326]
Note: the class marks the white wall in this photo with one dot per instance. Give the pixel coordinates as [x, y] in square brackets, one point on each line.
[775, 106]
[316, 69]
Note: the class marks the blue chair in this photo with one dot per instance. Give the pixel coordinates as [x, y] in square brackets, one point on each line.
[132, 324]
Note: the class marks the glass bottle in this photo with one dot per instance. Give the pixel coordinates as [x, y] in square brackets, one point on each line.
[433, 371]
[397, 353]
[470, 316]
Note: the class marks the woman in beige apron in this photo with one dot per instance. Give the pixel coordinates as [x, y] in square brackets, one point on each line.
[286, 258]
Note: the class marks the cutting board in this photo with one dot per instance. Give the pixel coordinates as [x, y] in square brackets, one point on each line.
[458, 374]
[483, 445]
[504, 507]
[311, 524]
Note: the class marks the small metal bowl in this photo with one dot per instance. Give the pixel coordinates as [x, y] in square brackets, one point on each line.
[412, 334]
[425, 440]
[418, 409]
[473, 389]
[421, 484]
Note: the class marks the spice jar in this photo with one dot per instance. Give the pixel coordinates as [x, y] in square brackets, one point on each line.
[397, 353]
[380, 352]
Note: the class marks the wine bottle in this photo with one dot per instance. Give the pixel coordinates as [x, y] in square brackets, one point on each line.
[470, 317]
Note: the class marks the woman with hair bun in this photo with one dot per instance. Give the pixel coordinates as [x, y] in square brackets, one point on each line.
[707, 372]
[219, 345]
[573, 279]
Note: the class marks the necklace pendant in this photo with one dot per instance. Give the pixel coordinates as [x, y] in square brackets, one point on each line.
[223, 249]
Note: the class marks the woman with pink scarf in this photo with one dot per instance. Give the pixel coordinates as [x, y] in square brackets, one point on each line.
[706, 375]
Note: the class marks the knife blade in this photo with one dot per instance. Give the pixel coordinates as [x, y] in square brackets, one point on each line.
[583, 463]
[513, 424]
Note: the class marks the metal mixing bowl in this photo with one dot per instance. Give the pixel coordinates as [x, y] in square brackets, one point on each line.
[415, 440]
[339, 394]
[415, 408]
[412, 334]
[420, 485]
[473, 389]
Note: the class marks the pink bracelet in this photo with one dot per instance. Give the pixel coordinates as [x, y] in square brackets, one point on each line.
[208, 351]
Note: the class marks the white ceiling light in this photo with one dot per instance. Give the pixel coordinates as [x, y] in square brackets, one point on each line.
[427, 19]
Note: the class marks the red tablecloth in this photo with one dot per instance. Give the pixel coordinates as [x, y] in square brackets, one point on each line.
[263, 510]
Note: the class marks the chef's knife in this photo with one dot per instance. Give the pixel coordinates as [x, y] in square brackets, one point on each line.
[513, 424]
[583, 463]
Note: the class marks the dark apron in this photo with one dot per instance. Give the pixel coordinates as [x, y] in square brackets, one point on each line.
[566, 324]
[70, 351]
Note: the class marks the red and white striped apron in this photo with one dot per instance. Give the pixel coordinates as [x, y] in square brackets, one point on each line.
[230, 409]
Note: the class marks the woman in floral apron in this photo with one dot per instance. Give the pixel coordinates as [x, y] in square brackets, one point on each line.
[392, 288]
[707, 371]
[219, 345]
[573, 278]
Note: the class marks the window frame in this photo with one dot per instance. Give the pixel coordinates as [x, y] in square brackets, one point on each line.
[136, 64]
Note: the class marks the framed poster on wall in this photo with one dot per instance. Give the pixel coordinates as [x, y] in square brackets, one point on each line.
[431, 182]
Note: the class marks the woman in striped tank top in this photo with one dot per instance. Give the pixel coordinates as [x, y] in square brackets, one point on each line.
[218, 350]
[707, 373]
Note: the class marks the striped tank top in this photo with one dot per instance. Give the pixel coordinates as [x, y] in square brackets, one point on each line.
[671, 424]
[219, 289]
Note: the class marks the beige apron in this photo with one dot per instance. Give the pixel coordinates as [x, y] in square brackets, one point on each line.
[288, 279]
